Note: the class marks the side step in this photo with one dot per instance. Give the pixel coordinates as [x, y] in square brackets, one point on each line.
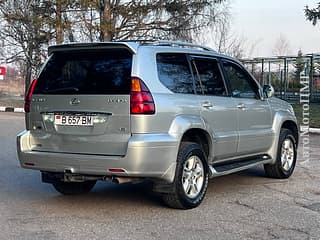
[221, 169]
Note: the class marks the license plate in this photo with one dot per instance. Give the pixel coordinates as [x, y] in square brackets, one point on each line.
[73, 120]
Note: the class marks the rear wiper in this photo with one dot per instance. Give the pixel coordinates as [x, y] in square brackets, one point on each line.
[62, 90]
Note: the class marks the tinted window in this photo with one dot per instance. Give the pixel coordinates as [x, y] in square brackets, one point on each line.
[242, 85]
[209, 79]
[87, 72]
[174, 72]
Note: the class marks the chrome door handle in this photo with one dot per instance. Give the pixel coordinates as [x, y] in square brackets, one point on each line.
[241, 106]
[207, 105]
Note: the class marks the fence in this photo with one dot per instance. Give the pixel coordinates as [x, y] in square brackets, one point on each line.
[284, 73]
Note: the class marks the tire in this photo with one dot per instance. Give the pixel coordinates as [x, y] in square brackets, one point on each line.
[286, 156]
[191, 178]
[73, 188]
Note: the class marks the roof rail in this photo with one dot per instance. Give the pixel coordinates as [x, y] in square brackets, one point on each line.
[172, 44]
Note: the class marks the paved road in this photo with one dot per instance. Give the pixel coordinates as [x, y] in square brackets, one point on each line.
[240, 206]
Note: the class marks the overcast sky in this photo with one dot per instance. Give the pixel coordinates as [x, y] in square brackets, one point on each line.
[262, 22]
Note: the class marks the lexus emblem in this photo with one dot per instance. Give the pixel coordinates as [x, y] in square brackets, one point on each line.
[74, 101]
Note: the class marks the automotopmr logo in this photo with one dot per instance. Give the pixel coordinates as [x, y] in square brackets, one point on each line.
[305, 123]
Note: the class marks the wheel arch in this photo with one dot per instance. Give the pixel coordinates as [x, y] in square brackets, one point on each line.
[193, 128]
[291, 125]
[199, 136]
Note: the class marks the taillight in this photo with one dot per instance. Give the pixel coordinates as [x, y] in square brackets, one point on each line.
[141, 100]
[29, 96]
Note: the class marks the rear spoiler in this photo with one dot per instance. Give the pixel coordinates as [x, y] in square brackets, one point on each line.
[131, 46]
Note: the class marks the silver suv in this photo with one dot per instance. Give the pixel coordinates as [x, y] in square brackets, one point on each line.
[171, 112]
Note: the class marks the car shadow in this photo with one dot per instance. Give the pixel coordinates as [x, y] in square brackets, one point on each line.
[139, 195]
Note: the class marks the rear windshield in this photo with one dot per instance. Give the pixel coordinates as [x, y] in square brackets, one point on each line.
[106, 71]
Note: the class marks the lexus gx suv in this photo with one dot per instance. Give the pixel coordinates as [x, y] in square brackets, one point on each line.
[174, 113]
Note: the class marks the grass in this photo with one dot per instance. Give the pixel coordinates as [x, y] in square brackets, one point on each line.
[314, 112]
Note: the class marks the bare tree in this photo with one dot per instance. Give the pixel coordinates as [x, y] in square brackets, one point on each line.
[154, 18]
[219, 35]
[30, 25]
[24, 33]
[281, 46]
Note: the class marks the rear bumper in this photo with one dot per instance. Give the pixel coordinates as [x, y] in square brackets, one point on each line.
[148, 155]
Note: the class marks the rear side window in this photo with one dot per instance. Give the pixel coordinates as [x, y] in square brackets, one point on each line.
[106, 71]
[174, 72]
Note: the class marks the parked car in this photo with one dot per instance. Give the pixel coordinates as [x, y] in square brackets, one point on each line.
[171, 112]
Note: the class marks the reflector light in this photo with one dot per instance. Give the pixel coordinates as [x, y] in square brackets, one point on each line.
[116, 170]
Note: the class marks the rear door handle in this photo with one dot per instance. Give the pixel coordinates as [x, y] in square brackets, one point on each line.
[241, 106]
[207, 104]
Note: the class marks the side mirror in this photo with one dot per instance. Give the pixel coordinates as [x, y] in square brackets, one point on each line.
[268, 91]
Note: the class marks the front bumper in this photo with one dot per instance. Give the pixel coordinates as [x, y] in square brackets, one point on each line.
[148, 155]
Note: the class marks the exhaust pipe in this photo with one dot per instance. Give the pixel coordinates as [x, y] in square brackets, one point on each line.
[119, 180]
